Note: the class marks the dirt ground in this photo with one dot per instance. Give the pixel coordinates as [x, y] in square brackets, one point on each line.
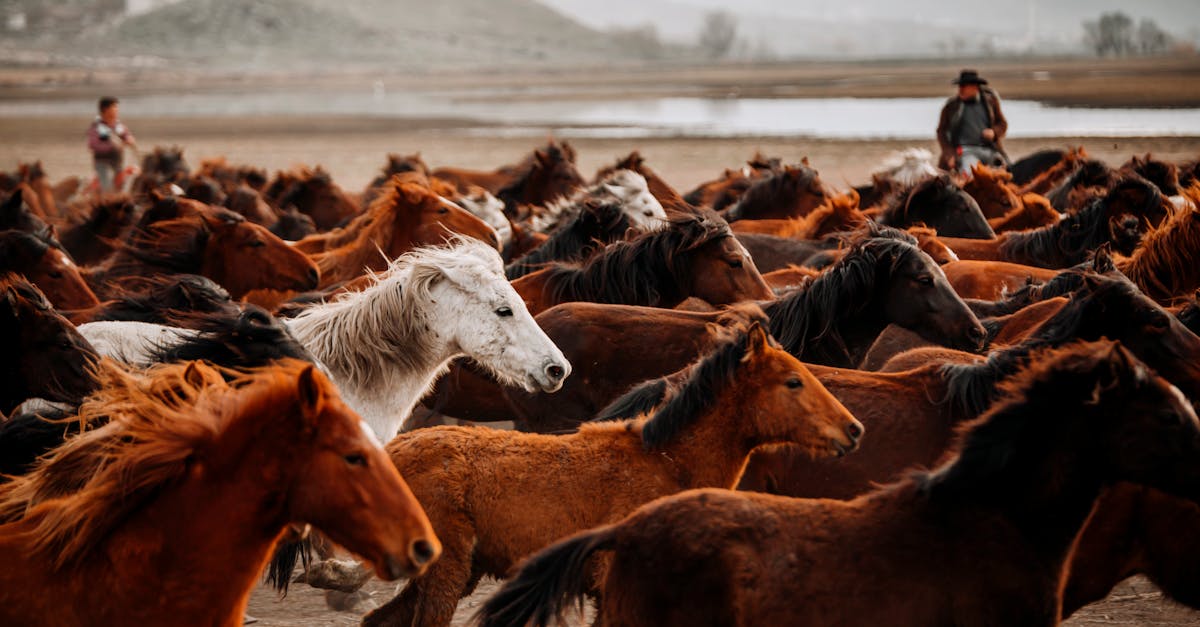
[354, 148]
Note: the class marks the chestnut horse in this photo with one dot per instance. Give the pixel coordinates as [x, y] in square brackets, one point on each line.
[1087, 415]
[1033, 212]
[839, 213]
[237, 254]
[109, 220]
[47, 267]
[747, 393]
[45, 357]
[695, 255]
[1165, 264]
[405, 216]
[937, 202]
[281, 430]
[992, 189]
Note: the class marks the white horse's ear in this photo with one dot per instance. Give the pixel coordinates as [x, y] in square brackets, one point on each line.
[613, 189]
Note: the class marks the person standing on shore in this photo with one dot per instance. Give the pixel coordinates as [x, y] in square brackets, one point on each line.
[107, 138]
[971, 127]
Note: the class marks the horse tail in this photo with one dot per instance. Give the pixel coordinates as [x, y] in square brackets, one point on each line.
[283, 562]
[547, 582]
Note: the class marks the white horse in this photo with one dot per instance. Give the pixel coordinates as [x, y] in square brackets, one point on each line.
[908, 166]
[385, 346]
[483, 205]
[622, 186]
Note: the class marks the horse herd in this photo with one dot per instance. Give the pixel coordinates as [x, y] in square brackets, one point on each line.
[927, 400]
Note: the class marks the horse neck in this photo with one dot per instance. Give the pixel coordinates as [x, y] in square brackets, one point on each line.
[382, 383]
[586, 282]
[828, 331]
[244, 498]
[713, 451]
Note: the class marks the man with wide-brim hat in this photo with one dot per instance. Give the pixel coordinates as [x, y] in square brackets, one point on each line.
[972, 127]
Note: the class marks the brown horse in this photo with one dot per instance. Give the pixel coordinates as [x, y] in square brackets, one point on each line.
[745, 394]
[45, 357]
[1034, 212]
[545, 175]
[993, 190]
[278, 447]
[232, 176]
[47, 267]
[406, 216]
[695, 255]
[672, 202]
[109, 220]
[990, 280]
[839, 213]
[396, 164]
[33, 175]
[312, 192]
[1050, 177]
[1165, 265]
[1164, 175]
[1087, 415]
[727, 190]
[791, 192]
[224, 247]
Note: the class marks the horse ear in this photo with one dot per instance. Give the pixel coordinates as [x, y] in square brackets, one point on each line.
[192, 374]
[13, 204]
[757, 340]
[310, 392]
[10, 300]
[1102, 261]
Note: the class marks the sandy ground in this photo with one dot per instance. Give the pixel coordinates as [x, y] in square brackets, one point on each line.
[353, 149]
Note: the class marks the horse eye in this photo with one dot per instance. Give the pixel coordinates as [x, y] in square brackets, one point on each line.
[56, 274]
[925, 279]
[443, 211]
[257, 244]
[504, 312]
[1159, 320]
[794, 383]
[356, 459]
[735, 263]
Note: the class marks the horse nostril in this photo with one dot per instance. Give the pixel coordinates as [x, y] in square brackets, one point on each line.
[854, 430]
[314, 276]
[421, 552]
[555, 372]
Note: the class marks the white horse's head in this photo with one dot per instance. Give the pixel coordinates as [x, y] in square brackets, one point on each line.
[473, 307]
[631, 189]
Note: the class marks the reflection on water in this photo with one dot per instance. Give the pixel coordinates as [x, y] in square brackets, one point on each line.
[839, 118]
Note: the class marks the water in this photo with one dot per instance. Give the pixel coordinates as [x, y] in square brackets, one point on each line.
[833, 118]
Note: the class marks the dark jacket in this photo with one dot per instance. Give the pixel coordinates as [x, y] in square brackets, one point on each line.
[949, 118]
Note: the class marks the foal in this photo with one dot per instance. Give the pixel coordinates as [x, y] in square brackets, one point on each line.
[482, 486]
[983, 540]
[187, 498]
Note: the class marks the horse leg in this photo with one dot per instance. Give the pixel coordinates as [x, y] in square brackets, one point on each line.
[431, 599]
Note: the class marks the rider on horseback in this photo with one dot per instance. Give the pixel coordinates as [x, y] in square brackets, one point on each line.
[107, 139]
[971, 126]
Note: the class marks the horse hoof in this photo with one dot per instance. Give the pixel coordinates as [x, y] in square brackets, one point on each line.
[341, 576]
[357, 601]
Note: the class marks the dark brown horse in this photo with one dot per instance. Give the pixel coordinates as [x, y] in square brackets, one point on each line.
[545, 175]
[45, 357]
[1087, 415]
[109, 220]
[598, 224]
[696, 255]
[312, 192]
[159, 299]
[791, 192]
[937, 202]
[1164, 175]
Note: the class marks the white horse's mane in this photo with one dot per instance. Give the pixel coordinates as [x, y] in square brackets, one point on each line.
[627, 183]
[359, 334]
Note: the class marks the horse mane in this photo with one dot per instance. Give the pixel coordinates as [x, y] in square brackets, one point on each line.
[1089, 173]
[1062, 284]
[785, 183]
[971, 388]
[18, 248]
[148, 299]
[895, 210]
[359, 243]
[1052, 379]
[24, 290]
[636, 271]
[175, 246]
[1076, 234]
[597, 224]
[386, 317]
[812, 312]
[246, 339]
[1164, 263]
[159, 422]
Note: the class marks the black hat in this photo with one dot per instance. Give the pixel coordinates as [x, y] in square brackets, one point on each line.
[969, 77]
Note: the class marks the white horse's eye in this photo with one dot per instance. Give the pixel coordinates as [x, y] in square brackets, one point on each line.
[504, 312]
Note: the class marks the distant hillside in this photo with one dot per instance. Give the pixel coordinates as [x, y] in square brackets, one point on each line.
[392, 33]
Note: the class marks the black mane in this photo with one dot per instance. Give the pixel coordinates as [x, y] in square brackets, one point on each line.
[248, 339]
[786, 183]
[645, 271]
[596, 225]
[897, 211]
[161, 298]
